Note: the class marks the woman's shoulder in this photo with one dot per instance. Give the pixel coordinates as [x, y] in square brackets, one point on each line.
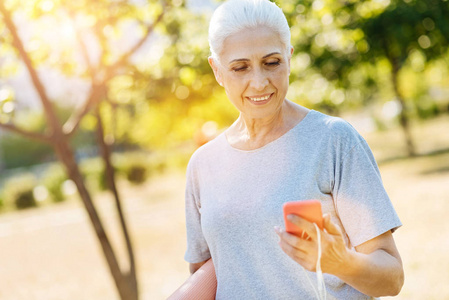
[336, 128]
[332, 123]
[209, 150]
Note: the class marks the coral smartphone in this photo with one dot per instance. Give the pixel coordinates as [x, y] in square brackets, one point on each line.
[307, 209]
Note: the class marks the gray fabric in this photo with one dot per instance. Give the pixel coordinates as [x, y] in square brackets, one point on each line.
[234, 199]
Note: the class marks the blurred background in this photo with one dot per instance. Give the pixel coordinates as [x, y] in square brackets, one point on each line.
[103, 102]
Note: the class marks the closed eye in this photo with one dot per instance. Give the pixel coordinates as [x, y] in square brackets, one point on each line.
[239, 69]
[271, 64]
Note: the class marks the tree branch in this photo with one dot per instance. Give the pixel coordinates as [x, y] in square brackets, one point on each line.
[72, 124]
[17, 42]
[83, 47]
[111, 70]
[96, 93]
[110, 177]
[30, 134]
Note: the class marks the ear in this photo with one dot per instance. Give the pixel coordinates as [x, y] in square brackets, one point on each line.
[213, 64]
[289, 58]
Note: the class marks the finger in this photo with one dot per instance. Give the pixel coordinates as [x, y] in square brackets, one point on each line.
[294, 241]
[300, 257]
[286, 237]
[330, 226]
[292, 251]
[305, 225]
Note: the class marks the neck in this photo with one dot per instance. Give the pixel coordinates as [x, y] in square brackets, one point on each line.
[256, 129]
[250, 133]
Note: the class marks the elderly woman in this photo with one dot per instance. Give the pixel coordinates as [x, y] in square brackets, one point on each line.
[275, 152]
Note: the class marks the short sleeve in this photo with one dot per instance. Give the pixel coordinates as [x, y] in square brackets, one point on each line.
[197, 248]
[362, 204]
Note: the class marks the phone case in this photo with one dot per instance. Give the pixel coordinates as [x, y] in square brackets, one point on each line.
[307, 209]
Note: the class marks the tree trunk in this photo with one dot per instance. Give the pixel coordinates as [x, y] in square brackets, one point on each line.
[67, 158]
[130, 288]
[403, 117]
[126, 282]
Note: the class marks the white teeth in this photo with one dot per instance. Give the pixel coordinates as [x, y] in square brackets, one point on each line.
[259, 99]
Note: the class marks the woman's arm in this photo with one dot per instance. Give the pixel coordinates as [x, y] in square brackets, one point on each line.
[376, 263]
[373, 268]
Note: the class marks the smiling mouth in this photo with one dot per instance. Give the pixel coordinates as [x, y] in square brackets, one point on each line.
[260, 98]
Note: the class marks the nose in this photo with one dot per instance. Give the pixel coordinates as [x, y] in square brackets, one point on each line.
[259, 80]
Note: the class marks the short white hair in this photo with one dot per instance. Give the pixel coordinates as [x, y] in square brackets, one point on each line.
[235, 15]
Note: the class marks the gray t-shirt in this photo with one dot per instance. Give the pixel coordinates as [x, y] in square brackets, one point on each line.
[234, 199]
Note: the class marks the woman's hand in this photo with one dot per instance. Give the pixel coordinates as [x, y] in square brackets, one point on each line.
[305, 252]
[373, 268]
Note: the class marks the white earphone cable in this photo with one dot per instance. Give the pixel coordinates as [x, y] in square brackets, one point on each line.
[319, 273]
[320, 293]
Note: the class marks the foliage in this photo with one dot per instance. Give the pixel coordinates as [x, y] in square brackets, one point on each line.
[18, 151]
[162, 97]
[166, 92]
[341, 44]
[169, 99]
[93, 172]
[18, 191]
[136, 174]
[403, 27]
[53, 179]
[353, 54]
[133, 166]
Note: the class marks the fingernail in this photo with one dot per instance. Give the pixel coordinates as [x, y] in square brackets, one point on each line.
[277, 229]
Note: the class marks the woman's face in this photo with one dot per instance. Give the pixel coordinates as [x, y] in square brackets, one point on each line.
[254, 68]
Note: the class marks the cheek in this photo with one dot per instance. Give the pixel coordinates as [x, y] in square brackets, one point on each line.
[280, 78]
[233, 88]
[236, 83]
